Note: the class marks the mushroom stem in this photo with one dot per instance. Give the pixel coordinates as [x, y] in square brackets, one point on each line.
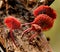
[12, 37]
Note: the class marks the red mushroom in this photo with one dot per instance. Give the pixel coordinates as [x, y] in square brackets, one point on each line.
[12, 23]
[42, 22]
[44, 9]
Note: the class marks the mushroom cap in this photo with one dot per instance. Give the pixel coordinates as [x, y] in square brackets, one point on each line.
[44, 9]
[44, 21]
[12, 23]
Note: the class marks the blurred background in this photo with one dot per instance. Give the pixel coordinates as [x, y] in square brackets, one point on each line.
[54, 32]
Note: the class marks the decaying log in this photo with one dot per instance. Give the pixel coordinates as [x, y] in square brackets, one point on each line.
[38, 44]
[23, 12]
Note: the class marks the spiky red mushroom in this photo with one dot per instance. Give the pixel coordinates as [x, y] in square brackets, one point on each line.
[44, 9]
[41, 22]
[44, 21]
[12, 23]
